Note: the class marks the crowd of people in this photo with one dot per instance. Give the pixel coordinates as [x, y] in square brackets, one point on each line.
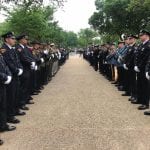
[126, 64]
[25, 68]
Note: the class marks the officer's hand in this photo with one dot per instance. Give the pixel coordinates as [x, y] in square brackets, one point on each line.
[35, 68]
[119, 60]
[9, 78]
[20, 72]
[46, 52]
[42, 60]
[32, 65]
[136, 69]
[147, 76]
[53, 55]
[125, 67]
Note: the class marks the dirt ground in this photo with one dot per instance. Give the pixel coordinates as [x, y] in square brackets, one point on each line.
[80, 110]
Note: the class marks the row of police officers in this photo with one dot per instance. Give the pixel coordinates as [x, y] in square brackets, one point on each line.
[24, 70]
[127, 65]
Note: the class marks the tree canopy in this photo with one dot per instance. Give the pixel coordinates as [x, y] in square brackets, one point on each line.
[36, 20]
[114, 17]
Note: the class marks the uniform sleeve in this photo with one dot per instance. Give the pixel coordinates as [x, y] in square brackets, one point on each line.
[129, 57]
[147, 68]
[143, 56]
[8, 61]
[24, 58]
[3, 77]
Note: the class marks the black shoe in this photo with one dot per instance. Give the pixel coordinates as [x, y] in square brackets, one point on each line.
[147, 113]
[135, 102]
[42, 87]
[143, 107]
[24, 108]
[126, 94]
[13, 120]
[8, 128]
[49, 79]
[30, 98]
[1, 142]
[19, 113]
[120, 88]
[132, 99]
[35, 93]
[114, 83]
[30, 102]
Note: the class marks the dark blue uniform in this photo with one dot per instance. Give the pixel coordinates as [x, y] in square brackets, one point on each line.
[4, 72]
[26, 59]
[142, 83]
[12, 60]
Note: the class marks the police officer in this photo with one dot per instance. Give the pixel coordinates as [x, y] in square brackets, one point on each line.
[143, 53]
[119, 83]
[121, 54]
[12, 60]
[5, 79]
[147, 70]
[28, 63]
[96, 57]
[39, 61]
[129, 67]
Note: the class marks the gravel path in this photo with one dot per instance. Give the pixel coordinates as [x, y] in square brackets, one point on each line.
[80, 110]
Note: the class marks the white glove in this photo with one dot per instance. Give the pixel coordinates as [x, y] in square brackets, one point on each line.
[136, 69]
[46, 52]
[42, 60]
[9, 78]
[20, 72]
[35, 68]
[125, 67]
[147, 76]
[32, 65]
[59, 55]
[53, 55]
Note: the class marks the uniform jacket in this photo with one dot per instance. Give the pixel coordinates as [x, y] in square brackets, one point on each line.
[130, 56]
[4, 70]
[25, 56]
[12, 60]
[142, 57]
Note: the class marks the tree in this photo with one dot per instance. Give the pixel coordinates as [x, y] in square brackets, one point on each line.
[33, 22]
[39, 24]
[141, 12]
[30, 3]
[86, 36]
[114, 17]
[71, 39]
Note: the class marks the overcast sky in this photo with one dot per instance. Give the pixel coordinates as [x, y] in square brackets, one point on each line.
[74, 15]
